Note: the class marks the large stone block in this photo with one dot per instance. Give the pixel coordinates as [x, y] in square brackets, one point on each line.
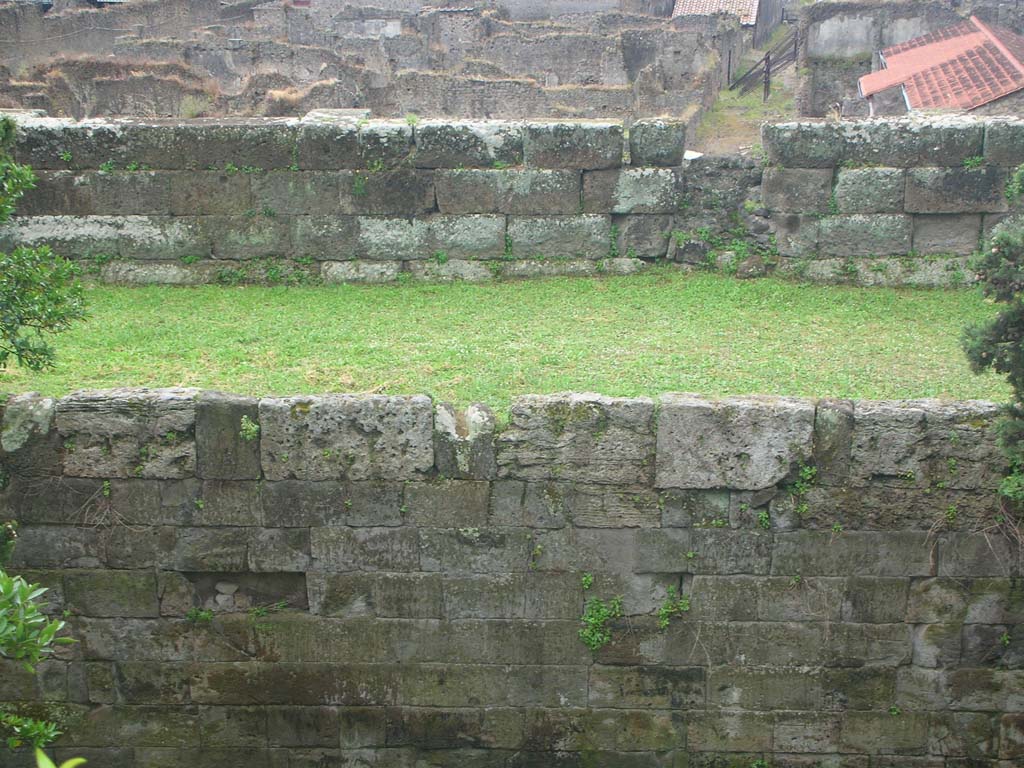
[797, 190]
[384, 595]
[516, 191]
[131, 192]
[130, 594]
[882, 553]
[128, 433]
[958, 234]
[657, 141]
[475, 550]
[325, 238]
[385, 144]
[261, 235]
[365, 549]
[578, 438]
[560, 237]
[704, 551]
[327, 145]
[644, 237]
[227, 444]
[209, 193]
[468, 144]
[387, 192]
[587, 145]
[863, 235]
[313, 193]
[1003, 142]
[631, 190]
[349, 437]
[955, 190]
[741, 443]
[58, 193]
[657, 687]
[870, 190]
[448, 503]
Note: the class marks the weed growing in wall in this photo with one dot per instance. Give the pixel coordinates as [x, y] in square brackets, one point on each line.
[675, 605]
[597, 615]
[248, 429]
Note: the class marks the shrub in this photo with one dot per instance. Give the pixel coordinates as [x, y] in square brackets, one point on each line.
[39, 294]
[998, 345]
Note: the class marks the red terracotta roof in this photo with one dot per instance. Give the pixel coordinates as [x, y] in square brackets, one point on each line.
[745, 9]
[961, 67]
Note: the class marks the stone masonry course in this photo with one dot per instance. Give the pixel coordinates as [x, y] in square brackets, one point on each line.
[350, 580]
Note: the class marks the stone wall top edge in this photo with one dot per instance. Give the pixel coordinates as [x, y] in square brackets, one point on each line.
[29, 121]
[753, 399]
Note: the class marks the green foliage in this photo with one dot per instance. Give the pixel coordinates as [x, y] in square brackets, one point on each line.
[807, 475]
[674, 605]
[996, 345]
[26, 633]
[412, 119]
[764, 519]
[1005, 639]
[42, 761]
[1015, 184]
[18, 731]
[597, 615]
[587, 580]
[199, 615]
[975, 161]
[39, 294]
[248, 429]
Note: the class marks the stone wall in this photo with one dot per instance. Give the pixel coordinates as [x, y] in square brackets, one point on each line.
[355, 580]
[186, 202]
[881, 201]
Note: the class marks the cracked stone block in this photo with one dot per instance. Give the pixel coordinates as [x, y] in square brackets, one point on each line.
[122, 433]
[346, 437]
[744, 443]
[578, 437]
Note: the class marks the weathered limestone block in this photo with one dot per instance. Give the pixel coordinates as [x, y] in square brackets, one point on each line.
[560, 237]
[464, 442]
[360, 271]
[720, 731]
[797, 190]
[395, 192]
[125, 193]
[764, 690]
[209, 193]
[28, 443]
[900, 143]
[227, 446]
[538, 267]
[40, 142]
[881, 732]
[276, 550]
[955, 190]
[446, 271]
[588, 145]
[155, 273]
[958, 234]
[327, 145]
[517, 191]
[385, 595]
[247, 237]
[365, 549]
[937, 645]
[466, 237]
[741, 443]
[717, 551]
[862, 235]
[870, 190]
[645, 237]
[447, 503]
[385, 143]
[978, 554]
[299, 193]
[128, 433]
[879, 553]
[265, 143]
[1004, 142]
[630, 190]
[875, 600]
[647, 687]
[131, 594]
[657, 141]
[466, 144]
[324, 238]
[384, 239]
[475, 550]
[797, 235]
[59, 193]
[346, 437]
[578, 438]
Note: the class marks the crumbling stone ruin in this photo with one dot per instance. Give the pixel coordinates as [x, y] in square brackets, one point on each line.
[195, 57]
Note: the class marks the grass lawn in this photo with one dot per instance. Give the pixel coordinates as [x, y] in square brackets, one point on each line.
[641, 335]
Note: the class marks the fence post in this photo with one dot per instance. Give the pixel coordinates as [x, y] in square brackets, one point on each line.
[767, 75]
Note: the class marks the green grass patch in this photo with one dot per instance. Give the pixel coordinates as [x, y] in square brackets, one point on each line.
[640, 335]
